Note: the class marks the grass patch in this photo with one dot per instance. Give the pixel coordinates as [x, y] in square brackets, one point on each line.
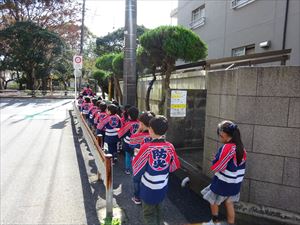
[112, 221]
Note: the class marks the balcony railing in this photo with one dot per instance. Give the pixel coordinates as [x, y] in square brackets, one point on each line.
[197, 23]
[235, 4]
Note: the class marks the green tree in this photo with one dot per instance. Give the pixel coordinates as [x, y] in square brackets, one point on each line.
[114, 41]
[105, 63]
[171, 43]
[117, 64]
[101, 77]
[30, 49]
[61, 17]
[63, 70]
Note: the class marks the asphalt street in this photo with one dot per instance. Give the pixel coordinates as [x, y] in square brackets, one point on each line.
[41, 181]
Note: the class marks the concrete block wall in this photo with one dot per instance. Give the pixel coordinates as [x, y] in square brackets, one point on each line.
[265, 103]
[180, 80]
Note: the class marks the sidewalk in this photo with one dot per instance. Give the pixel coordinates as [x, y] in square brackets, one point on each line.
[181, 206]
[131, 213]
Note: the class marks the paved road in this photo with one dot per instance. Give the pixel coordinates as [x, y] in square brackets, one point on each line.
[41, 177]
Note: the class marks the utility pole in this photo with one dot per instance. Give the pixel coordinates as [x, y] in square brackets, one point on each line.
[81, 39]
[129, 76]
[82, 27]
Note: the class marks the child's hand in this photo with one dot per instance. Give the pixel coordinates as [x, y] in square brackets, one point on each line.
[136, 151]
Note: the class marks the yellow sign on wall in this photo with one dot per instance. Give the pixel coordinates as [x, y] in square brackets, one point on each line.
[178, 103]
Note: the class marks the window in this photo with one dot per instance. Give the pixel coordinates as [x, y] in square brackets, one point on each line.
[198, 17]
[235, 4]
[246, 50]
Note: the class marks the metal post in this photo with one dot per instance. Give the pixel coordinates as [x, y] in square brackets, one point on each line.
[75, 87]
[129, 76]
[109, 186]
[82, 35]
[283, 62]
[82, 28]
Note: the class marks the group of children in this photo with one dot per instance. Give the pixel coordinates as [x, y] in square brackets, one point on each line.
[150, 158]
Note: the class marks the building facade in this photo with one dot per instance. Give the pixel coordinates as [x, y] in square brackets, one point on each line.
[240, 27]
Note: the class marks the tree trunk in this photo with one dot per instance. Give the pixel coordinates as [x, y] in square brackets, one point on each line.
[6, 82]
[118, 89]
[18, 80]
[165, 88]
[102, 91]
[29, 79]
[65, 85]
[110, 88]
[2, 76]
[20, 86]
[161, 104]
[116, 97]
[33, 82]
[44, 85]
[147, 101]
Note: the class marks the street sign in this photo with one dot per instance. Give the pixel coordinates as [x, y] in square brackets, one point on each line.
[77, 73]
[77, 62]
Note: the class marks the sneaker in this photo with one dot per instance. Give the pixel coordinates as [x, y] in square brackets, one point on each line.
[136, 201]
[211, 223]
[127, 172]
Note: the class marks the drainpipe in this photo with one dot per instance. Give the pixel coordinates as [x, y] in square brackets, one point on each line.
[285, 27]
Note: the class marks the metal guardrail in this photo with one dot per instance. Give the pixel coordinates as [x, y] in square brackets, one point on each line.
[103, 161]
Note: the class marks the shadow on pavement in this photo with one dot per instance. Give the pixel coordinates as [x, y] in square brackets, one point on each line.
[89, 199]
[60, 125]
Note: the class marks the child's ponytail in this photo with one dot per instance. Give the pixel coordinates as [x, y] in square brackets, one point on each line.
[236, 139]
[233, 131]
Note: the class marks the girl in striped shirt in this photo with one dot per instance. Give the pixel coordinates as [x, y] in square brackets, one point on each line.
[229, 167]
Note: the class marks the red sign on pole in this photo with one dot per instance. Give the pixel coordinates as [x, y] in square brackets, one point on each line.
[77, 62]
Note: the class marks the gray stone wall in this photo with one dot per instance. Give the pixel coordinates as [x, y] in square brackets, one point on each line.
[179, 80]
[265, 103]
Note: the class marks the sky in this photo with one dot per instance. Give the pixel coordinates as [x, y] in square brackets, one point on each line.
[104, 16]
